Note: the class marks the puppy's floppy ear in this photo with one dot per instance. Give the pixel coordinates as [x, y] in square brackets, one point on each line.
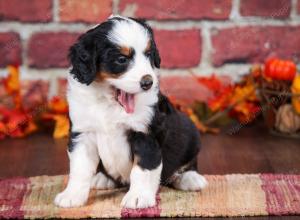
[156, 56]
[83, 59]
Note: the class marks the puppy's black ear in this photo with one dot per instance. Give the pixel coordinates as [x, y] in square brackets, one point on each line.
[84, 61]
[156, 57]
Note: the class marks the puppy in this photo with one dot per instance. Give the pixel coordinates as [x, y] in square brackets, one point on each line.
[123, 130]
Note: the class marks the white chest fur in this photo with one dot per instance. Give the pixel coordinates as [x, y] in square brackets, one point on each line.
[93, 109]
[115, 153]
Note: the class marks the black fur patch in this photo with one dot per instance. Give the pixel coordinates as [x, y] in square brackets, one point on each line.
[146, 148]
[71, 144]
[72, 137]
[110, 60]
[85, 55]
[173, 138]
[177, 137]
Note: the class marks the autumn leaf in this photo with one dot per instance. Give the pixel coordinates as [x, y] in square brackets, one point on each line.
[245, 112]
[213, 83]
[222, 100]
[16, 123]
[3, 130]
[58, 105]
[12, 82]
[201, 127]
[62, 126]
[12, 85]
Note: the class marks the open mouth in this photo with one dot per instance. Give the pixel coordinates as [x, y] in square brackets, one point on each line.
[126, 100]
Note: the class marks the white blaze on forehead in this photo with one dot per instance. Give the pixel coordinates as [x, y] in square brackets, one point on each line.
[129, 33]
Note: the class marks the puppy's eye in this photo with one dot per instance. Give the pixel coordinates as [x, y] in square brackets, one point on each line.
[121, 60]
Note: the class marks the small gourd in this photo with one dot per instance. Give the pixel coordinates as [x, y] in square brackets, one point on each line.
[287, 120]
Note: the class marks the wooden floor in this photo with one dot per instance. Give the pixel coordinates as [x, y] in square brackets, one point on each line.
[251, 150]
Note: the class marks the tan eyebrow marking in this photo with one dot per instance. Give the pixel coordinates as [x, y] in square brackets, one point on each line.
[148, 47]
[102, 76]
[127, 51]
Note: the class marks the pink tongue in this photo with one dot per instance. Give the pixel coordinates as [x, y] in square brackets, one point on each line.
[127, 101]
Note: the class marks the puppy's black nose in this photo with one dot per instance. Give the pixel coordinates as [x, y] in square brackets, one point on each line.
[146, 82]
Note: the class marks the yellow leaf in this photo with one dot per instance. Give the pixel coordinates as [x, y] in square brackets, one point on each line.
[12, 83]
[61, 126]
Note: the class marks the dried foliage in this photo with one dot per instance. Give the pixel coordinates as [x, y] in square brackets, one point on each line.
[18, 120]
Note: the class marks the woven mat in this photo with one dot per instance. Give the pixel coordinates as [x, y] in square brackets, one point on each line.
[228, 195]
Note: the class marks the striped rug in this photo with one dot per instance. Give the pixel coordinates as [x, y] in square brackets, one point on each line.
[228, 195]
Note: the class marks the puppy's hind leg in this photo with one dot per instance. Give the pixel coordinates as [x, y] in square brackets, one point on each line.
[83, 163]
[101, 181]
[189, 181]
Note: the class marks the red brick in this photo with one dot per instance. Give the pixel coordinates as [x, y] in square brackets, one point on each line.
[10, 49]
[26, 11]
[179, 49]
[273, 9]
[89, 11]
[50, 49]
[176, 10]
[181, 88]
[255, 44]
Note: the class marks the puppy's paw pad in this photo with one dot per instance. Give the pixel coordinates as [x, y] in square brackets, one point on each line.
[191, 181]
[67, 199]
[100, 181]
[135, 200]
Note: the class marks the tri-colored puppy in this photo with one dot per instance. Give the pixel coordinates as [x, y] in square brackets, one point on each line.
[121, 123]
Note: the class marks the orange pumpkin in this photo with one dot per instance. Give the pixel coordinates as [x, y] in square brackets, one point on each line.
[280, 69]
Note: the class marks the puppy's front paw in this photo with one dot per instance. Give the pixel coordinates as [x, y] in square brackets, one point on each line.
[135, 200]
[67, 199]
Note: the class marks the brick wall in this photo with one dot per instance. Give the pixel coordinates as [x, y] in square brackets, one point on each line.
[221, 36]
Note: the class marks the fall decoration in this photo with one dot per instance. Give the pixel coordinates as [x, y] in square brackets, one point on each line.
[287, 121]
[279, 90]
[18, 118]
[238, 101]
[278, 69]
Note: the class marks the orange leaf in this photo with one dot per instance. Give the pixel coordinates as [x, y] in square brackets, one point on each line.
[58, 105]
[12, 82]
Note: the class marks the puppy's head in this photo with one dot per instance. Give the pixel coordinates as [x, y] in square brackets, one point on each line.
[120, 52]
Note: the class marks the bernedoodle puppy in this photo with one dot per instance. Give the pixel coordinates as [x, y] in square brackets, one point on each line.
[123, 130]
